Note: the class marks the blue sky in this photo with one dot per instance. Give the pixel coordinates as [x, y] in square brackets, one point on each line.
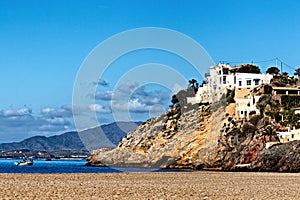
[43, 44]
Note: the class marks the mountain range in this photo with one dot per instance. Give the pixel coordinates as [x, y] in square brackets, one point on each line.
[104, 136]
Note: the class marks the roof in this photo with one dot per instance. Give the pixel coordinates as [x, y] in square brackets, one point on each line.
[285, 88]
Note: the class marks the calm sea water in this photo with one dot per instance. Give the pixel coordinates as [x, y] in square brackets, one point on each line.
[62, 167]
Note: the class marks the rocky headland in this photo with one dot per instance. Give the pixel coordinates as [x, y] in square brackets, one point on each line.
[206, 137]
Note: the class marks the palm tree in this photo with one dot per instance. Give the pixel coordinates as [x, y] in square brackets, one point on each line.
[194, 85]
[297, 72]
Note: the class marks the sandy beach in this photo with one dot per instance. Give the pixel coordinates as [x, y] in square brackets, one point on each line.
[185, 185]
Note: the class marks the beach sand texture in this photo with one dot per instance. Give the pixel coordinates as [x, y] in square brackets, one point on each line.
[182, 185]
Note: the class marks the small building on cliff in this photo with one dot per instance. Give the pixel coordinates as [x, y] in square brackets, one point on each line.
[224, 77]
[290, 135]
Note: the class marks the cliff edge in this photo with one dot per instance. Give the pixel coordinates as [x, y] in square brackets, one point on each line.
[204, 137]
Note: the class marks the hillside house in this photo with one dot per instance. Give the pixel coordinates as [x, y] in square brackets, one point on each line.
[297, 110]
[286, 90]
[223, 77]
[245, 101]
[289, 135]
[248, 88]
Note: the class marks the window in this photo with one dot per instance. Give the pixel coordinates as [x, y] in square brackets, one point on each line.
[256, 81]
[240, 83]
[225, 70]
[248, 82]
[224, 79]
[242, 112]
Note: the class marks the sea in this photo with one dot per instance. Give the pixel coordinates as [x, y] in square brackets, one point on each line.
[7, 166]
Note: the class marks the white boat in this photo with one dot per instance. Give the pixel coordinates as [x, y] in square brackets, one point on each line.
[24, 162]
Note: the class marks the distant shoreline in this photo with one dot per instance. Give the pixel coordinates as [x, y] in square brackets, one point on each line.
[45, 154]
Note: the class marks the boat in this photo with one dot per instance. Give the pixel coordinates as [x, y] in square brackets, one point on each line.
[24, 162]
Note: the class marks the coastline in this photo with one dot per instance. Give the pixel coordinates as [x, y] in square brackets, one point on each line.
[153, 185]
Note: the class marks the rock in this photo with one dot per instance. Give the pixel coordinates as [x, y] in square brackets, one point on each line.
[200, 138]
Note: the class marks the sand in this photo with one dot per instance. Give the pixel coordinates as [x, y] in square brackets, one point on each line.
[183, 185]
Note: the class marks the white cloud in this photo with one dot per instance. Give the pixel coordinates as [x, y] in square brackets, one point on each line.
[136, 106]
[99, 108]
[128, 87]
[130, 97]
[105, 96]
[16, 125]
[101, 82]
[63, 111]
[20, 112]
[58, 121]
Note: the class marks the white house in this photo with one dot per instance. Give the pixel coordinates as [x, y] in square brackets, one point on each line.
[289, 135]
[245, 104]
[202, 95]
[297, 110]
[224, 77]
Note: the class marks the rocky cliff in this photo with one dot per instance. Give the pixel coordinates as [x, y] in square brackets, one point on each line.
[181, 138]
[204, 137]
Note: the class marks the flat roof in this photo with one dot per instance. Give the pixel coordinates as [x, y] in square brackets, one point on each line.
[285, 88]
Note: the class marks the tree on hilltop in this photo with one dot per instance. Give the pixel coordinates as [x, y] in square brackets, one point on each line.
[297, 72]
[273, 70]
[249, 68]
[194, 85]
[285, 74]
[174, 100]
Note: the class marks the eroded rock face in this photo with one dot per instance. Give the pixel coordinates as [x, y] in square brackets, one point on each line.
[282, 158]
[201, 137]
[241, 143]
[180, 138]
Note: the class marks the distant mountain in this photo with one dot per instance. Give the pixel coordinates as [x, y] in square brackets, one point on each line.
[69, 140]
[107, 136]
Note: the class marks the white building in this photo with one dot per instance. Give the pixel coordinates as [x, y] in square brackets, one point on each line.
[202, 95]
[245, 105]
[297, 110]
[289, 135]
[224, 77]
